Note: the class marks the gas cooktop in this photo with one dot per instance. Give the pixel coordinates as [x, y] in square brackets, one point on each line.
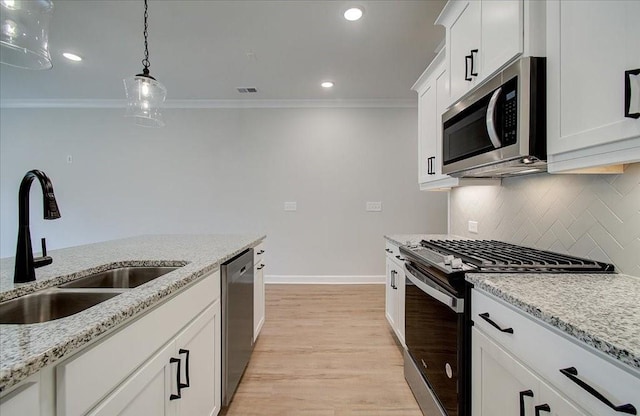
[495, 256]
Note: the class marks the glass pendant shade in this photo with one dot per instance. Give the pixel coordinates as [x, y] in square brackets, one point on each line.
[24, 33]
[145, 95]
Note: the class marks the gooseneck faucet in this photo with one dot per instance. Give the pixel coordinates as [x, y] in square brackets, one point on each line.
[25, 263]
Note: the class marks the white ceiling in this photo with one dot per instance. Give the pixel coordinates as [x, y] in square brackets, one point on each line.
[198, 49]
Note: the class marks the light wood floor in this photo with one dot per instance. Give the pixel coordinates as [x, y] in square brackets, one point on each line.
[325, 350]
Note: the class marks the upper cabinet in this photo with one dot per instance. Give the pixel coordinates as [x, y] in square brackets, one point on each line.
[485, 35]
[590, 45]
[433, 98]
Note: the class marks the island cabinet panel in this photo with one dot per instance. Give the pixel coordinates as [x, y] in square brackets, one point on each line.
[182, 379]
[24, 400]
[509, 347]
[395, 290]
[112, 360]
[258, 290]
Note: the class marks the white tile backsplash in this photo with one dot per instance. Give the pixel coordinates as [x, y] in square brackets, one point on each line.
[595, 216]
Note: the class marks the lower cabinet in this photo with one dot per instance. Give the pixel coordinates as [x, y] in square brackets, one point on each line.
[182, 379]
[394, 291]
[258, 290]
[503, 386]
[23, 401]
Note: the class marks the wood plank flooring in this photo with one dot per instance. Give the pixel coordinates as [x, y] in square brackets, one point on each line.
[325, 350]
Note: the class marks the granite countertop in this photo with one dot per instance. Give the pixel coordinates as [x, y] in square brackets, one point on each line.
[601, 310]
[25, 349]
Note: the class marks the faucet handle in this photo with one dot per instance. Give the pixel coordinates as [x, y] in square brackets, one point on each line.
[43, 241]
[44, 260]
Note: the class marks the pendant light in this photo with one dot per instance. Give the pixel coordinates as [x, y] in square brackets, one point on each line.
[24, 33]
[145, 95]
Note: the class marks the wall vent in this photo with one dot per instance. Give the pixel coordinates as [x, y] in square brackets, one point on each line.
[242, 90]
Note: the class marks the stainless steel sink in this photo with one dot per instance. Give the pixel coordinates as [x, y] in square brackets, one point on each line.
[50, 304]
[124, 278]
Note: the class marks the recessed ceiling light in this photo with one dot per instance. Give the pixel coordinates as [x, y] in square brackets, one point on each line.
[353, 14]
[327, 84]
[72, 56]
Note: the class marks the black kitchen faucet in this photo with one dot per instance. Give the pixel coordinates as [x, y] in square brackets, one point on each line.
[25, 263]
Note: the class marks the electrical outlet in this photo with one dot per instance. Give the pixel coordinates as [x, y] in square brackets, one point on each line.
[374, 206]
[291, 206]
[473, 227]
[69, 159]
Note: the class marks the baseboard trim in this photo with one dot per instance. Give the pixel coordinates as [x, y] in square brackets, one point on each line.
[324, 280]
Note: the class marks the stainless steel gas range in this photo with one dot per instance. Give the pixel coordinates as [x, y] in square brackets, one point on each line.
[437, 313]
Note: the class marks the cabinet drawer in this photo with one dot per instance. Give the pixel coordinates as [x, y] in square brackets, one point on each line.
[547, 351]
[111, 361]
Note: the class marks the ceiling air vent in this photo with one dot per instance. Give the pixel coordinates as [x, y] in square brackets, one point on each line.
[247, 90]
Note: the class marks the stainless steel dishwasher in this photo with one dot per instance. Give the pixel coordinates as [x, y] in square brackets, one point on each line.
[236, 277]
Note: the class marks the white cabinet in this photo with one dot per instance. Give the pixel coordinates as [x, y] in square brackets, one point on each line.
[433, 97]
[182, 379]
[504, 386]
[395, 290]
[482, 36]
[132, 371]
[258, 290]
[24, 400]
[590, 45]
[512, 352]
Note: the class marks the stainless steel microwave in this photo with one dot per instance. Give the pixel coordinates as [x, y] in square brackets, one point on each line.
[500, 128]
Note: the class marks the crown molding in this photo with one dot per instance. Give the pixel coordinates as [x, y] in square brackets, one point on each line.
[87, 104]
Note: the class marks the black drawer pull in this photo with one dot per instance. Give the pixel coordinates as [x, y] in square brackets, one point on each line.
[524, 393]
[399, 258]
[188, 383]
[542, 408]
[261, 252]
[572, 373]
[260, 267]
[485, 316]
[178, 384]
[388, 251]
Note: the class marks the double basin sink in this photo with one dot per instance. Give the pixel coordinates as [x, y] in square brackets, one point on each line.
[76, 296]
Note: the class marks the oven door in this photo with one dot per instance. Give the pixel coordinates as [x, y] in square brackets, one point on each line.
[434, 335]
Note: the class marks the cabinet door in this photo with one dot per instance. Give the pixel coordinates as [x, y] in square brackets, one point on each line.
[502, 34]
[23, 401]
[400, 284]
[499, 380]
[464, 36]
[590, 45]
[557, 404]
[390, 295]
[427, 132]
[147, 391]
[199, 349]
[258, 299]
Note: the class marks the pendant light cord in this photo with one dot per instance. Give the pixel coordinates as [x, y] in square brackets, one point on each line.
[145, 61]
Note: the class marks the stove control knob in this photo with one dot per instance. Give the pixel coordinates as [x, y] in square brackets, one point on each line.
[447, 259]
[456, 263]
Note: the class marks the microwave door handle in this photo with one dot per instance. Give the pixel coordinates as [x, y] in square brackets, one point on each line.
[491, 119]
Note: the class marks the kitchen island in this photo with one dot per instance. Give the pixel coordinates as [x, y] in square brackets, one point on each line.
[26, 349]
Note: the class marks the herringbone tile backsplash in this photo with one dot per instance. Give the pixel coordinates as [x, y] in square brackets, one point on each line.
[593, 216]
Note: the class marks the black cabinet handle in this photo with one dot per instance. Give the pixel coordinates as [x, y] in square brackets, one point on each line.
[467, 60]
[399, 258]
[542, 408]
[188, 383]
[572, 373]
[178, 385]
[527, 393]
[485, 316]
[388, 251]
[473, 59]
[261, 252]
[260, 267]
[430, 168]
[393, 279]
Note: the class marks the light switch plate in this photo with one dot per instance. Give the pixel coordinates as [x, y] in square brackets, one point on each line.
[291, 206]
[473, 227]
[374, 206]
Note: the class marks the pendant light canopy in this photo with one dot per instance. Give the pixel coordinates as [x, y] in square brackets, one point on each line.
[24, 33]
[145, 95]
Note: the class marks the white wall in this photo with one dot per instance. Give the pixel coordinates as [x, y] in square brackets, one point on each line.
[593, 216]
[225, 171]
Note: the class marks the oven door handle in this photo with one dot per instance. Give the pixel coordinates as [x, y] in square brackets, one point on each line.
[457, 305]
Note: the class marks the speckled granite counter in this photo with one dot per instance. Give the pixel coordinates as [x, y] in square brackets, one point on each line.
[25, 349]
[601, 310]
